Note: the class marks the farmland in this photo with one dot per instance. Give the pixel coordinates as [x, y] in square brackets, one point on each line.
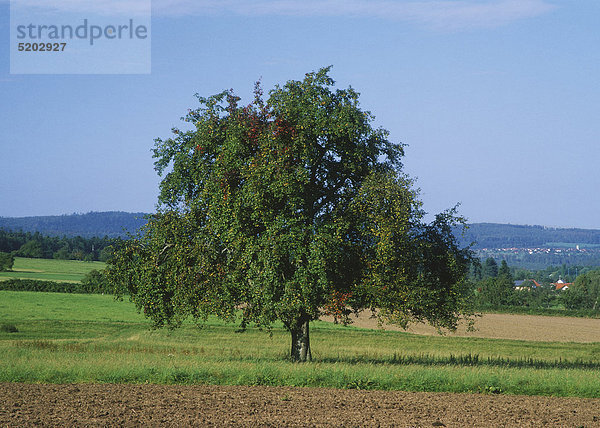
[92, 338]
[536, 328]
[50, 270]
[209, 405]
[84, 339]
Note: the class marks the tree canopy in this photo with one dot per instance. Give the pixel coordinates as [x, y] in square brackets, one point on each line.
[584, 293]
[490, 268]
[285, 209]
[6, 261]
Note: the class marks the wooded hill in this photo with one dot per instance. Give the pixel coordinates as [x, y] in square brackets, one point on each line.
[93, 224]
[494, 235]
[118, 223]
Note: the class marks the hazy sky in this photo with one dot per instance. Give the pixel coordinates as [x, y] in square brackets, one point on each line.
[497, 100]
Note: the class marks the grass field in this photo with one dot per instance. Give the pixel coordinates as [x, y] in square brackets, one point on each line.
[92, 338]
[50, 270]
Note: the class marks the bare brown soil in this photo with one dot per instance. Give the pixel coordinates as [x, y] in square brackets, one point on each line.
[508, 326]
[23, 405]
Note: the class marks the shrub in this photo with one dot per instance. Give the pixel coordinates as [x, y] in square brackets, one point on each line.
[6, 261]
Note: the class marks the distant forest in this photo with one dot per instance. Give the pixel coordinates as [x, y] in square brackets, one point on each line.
[115, 224]
[89, 236]
[76, 236]
[494, 235]
[36, 245]
[112, 224]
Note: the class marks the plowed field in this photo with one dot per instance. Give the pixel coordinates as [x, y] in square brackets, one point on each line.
[508, 326]
[155, 405]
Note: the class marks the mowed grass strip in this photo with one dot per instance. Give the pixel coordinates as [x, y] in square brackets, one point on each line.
[51, 270]
[65, 338]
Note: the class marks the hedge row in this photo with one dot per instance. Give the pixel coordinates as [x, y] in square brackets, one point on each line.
[47, 286]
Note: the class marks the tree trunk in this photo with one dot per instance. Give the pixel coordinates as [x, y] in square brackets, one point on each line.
[300, 341]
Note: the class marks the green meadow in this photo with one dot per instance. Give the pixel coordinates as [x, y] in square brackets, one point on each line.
[74, 338]
[50, 270]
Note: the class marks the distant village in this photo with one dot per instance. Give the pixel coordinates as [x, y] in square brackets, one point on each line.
[529, 284]
[540, 257]
[541, 250]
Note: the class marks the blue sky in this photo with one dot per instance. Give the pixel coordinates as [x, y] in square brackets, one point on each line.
[497, 100]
